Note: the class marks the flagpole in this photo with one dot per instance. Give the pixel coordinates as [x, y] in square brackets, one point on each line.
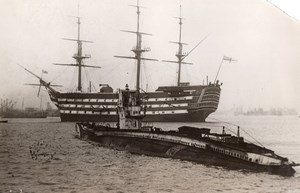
[224, 58]
[219, 70]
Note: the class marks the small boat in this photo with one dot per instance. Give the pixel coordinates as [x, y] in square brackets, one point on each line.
[3, 121]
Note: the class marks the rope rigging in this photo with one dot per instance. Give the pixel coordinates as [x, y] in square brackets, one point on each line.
[73, 81]
[240, 128]
[87, 77]
[59, 74]
[148, 80]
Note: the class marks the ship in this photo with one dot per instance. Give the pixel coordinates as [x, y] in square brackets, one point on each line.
[200, 145]
[182, 102]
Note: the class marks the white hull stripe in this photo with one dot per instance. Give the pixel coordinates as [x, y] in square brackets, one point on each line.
[86, 100]
[115, 106]
[86, 106]
[115, 113]
[170, 99]
[116, 100]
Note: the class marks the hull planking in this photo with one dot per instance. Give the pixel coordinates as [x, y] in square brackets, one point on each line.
[166, 104]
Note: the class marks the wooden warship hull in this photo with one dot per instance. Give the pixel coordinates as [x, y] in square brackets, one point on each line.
[167, 104]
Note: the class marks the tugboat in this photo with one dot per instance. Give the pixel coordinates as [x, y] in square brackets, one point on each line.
[186, 143]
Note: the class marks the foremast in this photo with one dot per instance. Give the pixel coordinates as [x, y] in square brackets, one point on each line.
[138, 50]
[79, 56]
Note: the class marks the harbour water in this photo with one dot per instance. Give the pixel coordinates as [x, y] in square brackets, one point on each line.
[42, 155]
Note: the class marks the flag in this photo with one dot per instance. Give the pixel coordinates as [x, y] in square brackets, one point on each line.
[44, 71]
[228, 59]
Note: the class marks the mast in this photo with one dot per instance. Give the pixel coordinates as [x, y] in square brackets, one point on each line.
[138, 50]
[79, 57]
[180, 54]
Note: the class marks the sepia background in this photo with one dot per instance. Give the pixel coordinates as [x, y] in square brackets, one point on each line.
[261, 36]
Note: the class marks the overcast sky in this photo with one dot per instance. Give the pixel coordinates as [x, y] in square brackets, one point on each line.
[263, 38]
[290, 7]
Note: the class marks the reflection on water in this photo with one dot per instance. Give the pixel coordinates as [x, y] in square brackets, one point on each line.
[42, 155]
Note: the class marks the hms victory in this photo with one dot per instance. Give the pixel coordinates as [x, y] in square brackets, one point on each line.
[180, 103]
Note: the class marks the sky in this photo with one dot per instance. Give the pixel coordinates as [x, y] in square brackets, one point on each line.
[263, 36]
[290, 7]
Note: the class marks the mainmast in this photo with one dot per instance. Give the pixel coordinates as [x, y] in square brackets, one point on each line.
[180, 54]
[79, 57]
[138, 50]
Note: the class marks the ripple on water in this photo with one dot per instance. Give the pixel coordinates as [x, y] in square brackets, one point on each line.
[83, 167]
[46, 183]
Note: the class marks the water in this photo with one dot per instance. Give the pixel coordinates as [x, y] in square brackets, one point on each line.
[59, 162]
